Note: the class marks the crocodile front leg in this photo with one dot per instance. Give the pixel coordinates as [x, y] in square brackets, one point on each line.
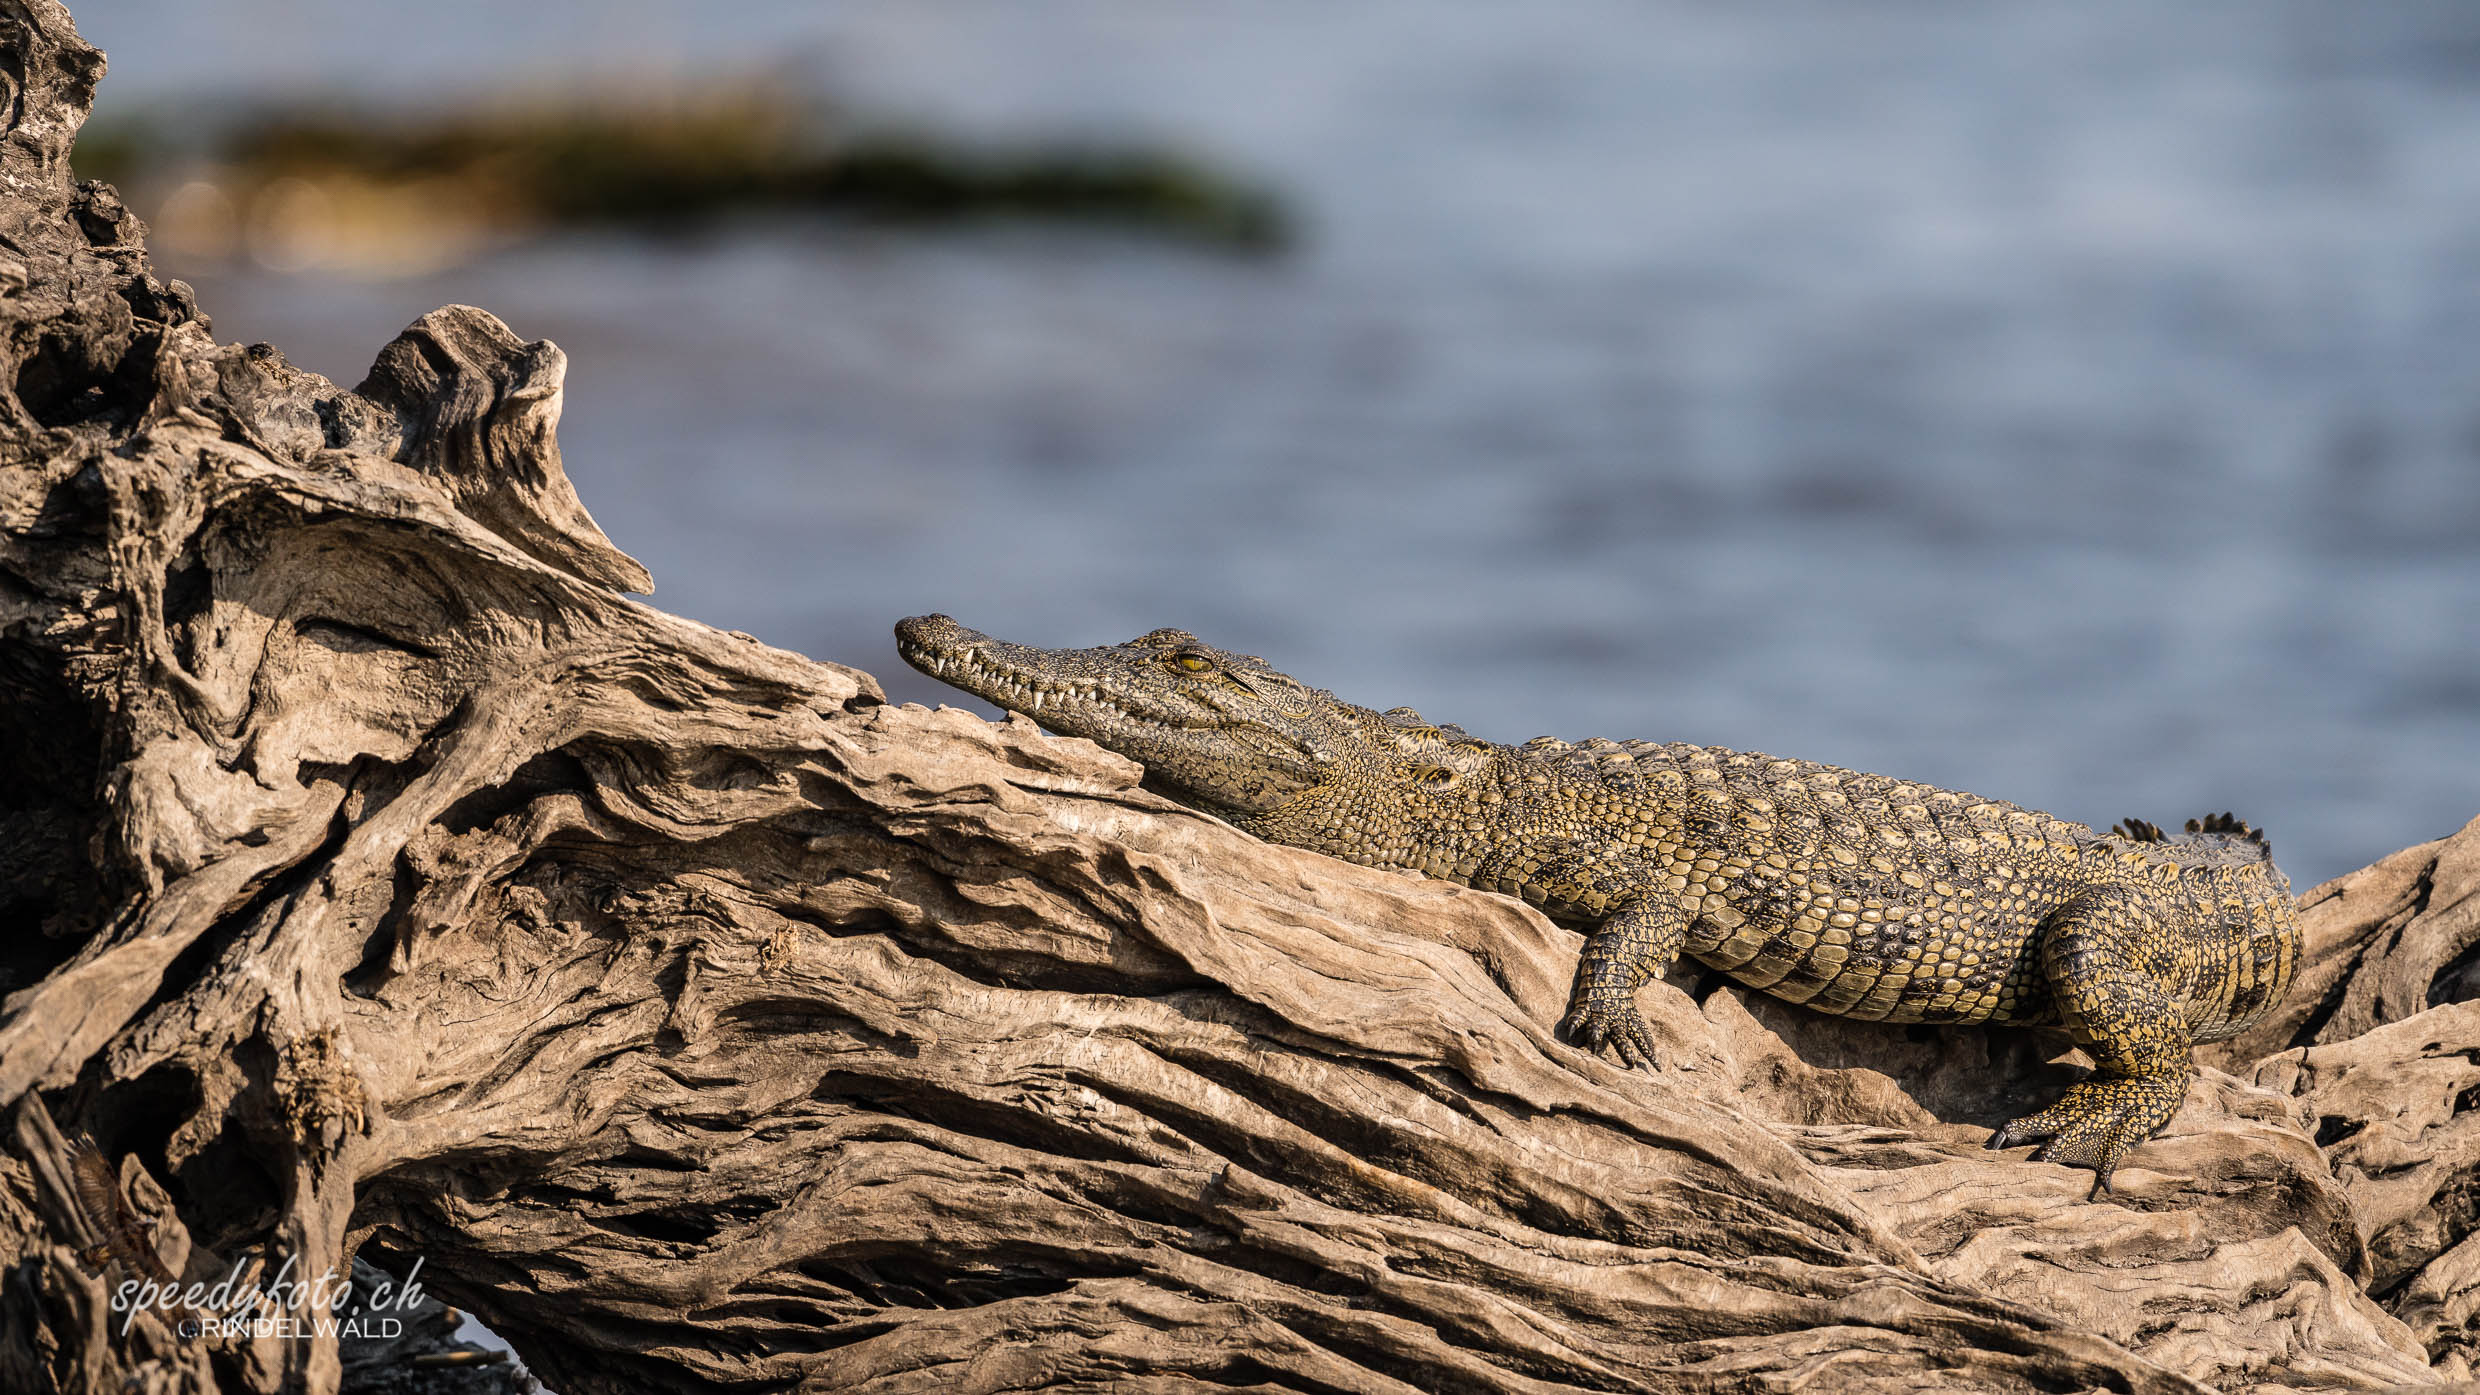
[1635, 943]
[2107, 964]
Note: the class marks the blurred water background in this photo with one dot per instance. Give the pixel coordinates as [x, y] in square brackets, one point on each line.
[2075, 405]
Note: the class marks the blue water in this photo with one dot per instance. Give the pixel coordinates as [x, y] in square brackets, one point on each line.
[2079, 406]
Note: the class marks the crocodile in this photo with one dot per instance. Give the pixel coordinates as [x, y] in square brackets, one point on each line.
[1858, 895]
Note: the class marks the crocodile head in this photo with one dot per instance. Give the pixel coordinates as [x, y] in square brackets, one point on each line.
[1216, 729]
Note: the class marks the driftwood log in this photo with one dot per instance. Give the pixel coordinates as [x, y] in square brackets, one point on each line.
[381, 879]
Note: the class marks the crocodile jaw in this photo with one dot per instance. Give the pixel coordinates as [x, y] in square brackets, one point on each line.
[1222, 738]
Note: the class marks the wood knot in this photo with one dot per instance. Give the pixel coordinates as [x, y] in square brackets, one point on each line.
[318, 1093]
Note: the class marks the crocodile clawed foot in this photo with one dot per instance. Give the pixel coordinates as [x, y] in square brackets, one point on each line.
[1610, 1023]
[2097, 1122]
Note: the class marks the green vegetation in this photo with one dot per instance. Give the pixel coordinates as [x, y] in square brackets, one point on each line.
[680, 161]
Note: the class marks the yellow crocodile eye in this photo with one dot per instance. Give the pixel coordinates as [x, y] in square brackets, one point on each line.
[1193, 663]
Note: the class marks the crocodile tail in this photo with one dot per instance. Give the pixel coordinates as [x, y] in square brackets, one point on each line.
[2230, 825]
[2223, 825]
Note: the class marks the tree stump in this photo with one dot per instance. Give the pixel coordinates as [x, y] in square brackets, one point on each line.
[382, 879]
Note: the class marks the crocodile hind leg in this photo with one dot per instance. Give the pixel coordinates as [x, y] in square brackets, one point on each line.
[1630, 947]
[2109, 967]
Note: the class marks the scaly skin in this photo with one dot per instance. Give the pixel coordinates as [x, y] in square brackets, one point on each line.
[1857, 895]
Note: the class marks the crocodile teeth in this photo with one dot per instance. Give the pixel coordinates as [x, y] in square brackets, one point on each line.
[1009, 687]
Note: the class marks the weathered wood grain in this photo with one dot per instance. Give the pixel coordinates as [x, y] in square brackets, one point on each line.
[382, 877]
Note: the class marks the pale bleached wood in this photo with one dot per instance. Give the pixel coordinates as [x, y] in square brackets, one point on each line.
[389, 880]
